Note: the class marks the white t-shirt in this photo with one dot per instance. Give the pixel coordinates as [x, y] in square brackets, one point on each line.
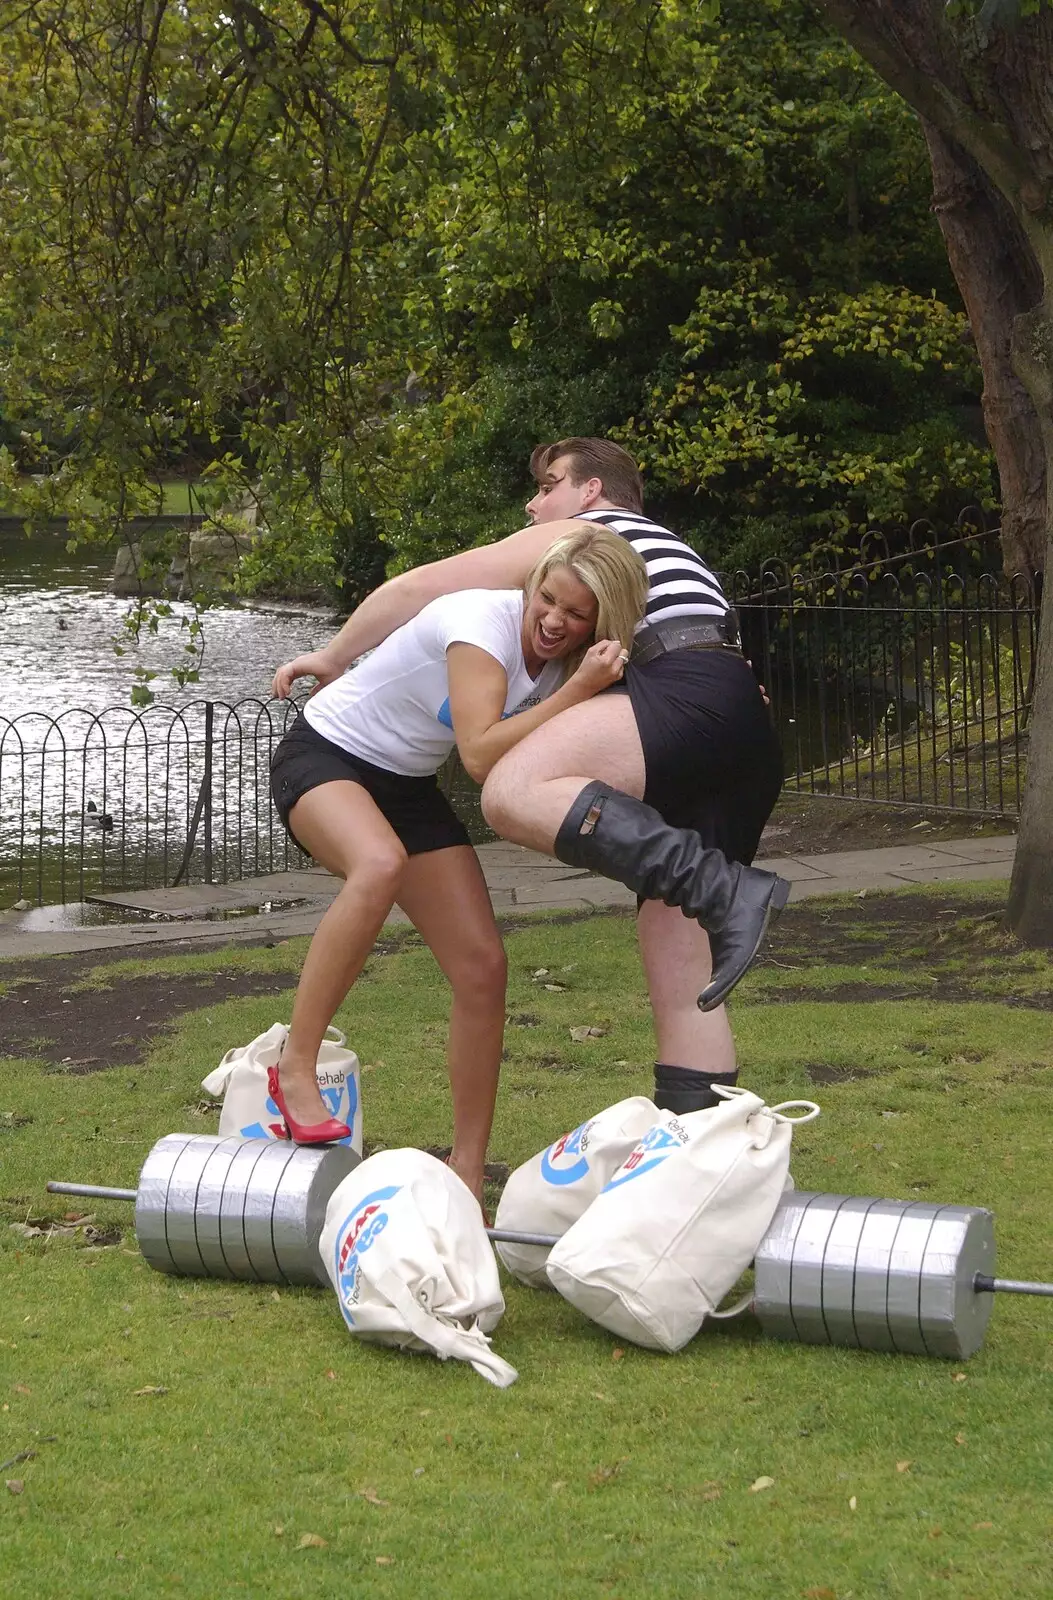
[393, 708]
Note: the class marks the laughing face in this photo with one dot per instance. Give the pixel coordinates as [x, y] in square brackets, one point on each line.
[558, 618]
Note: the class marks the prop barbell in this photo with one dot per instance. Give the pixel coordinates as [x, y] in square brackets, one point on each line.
[906, 1275]
[213, 1207]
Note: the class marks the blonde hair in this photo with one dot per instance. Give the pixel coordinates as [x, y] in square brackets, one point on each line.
[611, 570]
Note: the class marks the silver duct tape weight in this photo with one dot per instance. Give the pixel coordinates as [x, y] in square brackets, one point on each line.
[876, 1274]
[249, 1209]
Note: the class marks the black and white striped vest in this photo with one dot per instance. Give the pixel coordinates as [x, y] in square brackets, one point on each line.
[681, 585]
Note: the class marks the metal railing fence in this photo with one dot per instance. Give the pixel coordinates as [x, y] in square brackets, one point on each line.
[123, 798]
[897, 683]
[902, 679]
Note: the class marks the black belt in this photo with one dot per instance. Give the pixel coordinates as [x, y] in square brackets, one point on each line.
[709, 633]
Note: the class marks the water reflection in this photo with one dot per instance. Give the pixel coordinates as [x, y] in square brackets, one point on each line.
[58, 621]
[97, 795]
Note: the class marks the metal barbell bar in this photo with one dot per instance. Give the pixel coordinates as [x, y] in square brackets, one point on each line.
[250, 1209]
[905, 1275]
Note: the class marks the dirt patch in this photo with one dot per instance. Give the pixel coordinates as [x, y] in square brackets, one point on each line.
[810, 824]
[95, 1029]
[945, 994]
[952, 955]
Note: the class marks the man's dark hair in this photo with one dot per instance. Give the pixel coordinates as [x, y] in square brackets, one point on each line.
[593, 458]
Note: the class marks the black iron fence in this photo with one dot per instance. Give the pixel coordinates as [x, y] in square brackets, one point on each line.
[904, 679]
[97, 801]
[898, 682]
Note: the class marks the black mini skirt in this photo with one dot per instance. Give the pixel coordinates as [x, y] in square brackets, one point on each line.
[713, 761]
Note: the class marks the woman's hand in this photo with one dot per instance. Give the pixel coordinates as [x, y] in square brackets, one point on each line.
[603, 664]
[316, 664]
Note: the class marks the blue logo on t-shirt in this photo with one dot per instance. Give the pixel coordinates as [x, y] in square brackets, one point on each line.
[443, 714]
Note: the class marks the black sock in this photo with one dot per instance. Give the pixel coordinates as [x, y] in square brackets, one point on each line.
[681, 1089]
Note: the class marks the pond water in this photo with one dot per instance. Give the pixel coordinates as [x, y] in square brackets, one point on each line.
[58, 620]
[97, 795]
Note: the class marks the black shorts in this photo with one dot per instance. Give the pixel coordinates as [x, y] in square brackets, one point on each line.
[416, 808]
[711, 755]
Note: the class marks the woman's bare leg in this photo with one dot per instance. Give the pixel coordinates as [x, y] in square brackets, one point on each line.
[444, 895]
[531, 789]
[345, 832]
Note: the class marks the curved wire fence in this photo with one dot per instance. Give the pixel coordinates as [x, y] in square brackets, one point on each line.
[905, 678]
[124, 798]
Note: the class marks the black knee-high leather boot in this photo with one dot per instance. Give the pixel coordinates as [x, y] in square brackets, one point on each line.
[612, 833]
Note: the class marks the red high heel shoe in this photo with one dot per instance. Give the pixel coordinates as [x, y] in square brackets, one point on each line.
[327, 1132]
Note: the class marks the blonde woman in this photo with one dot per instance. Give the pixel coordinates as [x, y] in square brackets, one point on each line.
[354, 782]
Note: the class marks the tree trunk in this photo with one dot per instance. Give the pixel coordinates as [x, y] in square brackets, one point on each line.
[982, 79]
[999, 280]
[1031, 890]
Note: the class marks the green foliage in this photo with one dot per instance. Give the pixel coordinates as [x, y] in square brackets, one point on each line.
[823, 403]
[355, 261]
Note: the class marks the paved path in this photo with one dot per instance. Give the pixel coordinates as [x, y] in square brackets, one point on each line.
[289, 903]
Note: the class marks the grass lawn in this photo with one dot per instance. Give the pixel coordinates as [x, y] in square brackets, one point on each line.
[182, 1437]
[176, 500]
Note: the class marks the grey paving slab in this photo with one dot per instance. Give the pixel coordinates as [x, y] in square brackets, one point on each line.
[512, 855]
[518, 879]
[968, 872]
[125, 935]
[887, 858]
[535, 877]
[594, 891]
[195, 900]
[302, 880]
[996, 848]
[808, 889]
[791, 868]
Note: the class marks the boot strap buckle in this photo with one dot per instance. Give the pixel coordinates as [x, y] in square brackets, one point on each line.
[592, 816]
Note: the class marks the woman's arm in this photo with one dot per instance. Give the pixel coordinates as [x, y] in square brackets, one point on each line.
[479, 686]
[503, 565]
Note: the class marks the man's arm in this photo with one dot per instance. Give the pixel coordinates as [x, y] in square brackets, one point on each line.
[503, 565]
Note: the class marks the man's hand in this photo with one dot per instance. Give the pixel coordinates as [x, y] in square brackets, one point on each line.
[603, 664]
[760, 686]
[316, 664]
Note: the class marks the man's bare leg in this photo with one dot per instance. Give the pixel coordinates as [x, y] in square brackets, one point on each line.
[677, 965]
[536, 795]
[531, 789]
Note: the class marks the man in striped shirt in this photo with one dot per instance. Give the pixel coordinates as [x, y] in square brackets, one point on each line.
[663, 783]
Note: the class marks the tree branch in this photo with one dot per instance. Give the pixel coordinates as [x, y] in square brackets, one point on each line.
[318, 13]
[985, 140]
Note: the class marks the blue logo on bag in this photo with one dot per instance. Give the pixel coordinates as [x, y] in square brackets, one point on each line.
[569, 1145]
[359, 1230]
[659, 1140]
